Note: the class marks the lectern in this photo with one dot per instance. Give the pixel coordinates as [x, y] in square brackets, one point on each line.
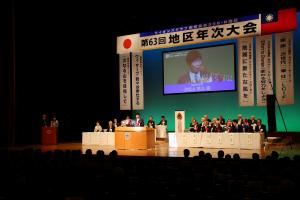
[49, 135]
[134, 138]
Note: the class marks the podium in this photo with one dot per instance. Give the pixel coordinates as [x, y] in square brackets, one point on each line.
[134, 138]
[49, 136]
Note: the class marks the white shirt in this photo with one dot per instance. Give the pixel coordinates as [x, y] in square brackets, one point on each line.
[98, 128]
[196, 78]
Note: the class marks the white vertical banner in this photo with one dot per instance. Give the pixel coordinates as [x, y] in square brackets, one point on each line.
[137, 78]
[284, 68]
[264, 68]
[179, 121]
[125, 89]
[245, 57]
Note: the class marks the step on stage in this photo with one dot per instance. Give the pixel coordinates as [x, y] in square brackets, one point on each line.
[162, 149]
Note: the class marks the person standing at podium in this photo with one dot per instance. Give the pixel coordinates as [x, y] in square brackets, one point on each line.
[139, 122]
[44, 122]
[54, 122]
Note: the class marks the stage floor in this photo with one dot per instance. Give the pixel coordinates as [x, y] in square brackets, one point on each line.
[162, 149]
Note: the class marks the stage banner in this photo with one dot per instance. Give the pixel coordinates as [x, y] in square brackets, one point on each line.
[125, 88]
[192, 34]
[264, 69]
[284, 68]
[137, 80]
[179, 121]
[245, 57]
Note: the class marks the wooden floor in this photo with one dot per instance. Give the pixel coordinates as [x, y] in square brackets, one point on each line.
[163, 150]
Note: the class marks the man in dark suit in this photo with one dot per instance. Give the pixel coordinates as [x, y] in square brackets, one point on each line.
[110, 127]
[163, 121]
[151, 122]
[260, 127]
[139, 122]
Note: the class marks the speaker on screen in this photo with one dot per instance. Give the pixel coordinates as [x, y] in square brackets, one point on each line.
[271, 113]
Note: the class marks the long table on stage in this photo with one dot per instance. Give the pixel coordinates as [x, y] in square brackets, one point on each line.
[98, 138]
[134, 138]
[217, 140]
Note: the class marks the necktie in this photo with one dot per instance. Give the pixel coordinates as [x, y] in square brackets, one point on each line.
[197, 77]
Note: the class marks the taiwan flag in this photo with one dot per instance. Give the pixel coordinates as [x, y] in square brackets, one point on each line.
[281, 21]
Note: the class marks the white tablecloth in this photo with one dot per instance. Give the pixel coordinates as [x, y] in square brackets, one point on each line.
[98, 138]
[217, 140]
[161, 131]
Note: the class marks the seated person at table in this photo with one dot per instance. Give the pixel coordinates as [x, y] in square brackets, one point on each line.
[228, 128]
[205, 127]
[206, 118]
[236, 127]
[213, 121]
[217, 127]
[193, 125]
[163, 121]
[151, 123]
[139, 122]
[239, 119]
[247, 127]
[252, 120]
[98, 127]
[110, 127]
[116, 124]
[222, 120]
[261, 128]
[202, 121]
[127, 122]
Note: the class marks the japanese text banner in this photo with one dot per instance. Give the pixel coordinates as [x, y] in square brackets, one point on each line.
[245, 57]
[284, 68]
[264, 68]
[125, 89]
[137, 81]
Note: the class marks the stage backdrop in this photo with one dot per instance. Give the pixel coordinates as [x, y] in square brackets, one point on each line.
[213, 104]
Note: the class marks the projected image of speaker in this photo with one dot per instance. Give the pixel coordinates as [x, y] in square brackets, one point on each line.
[201, 69]
[271, 113]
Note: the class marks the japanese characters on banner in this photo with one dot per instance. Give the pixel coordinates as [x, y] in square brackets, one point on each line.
[179, 121]
[137, 81]
[198, 33]
[245, 56]
[264, 69]
[226, 29]
[284, 68]
[125, 89]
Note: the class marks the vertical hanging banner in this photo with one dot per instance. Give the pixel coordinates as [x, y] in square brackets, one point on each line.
[125, 89]
[284, 68]
[245, 57]
[137, 78]
[179, 121]
[264, 68]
